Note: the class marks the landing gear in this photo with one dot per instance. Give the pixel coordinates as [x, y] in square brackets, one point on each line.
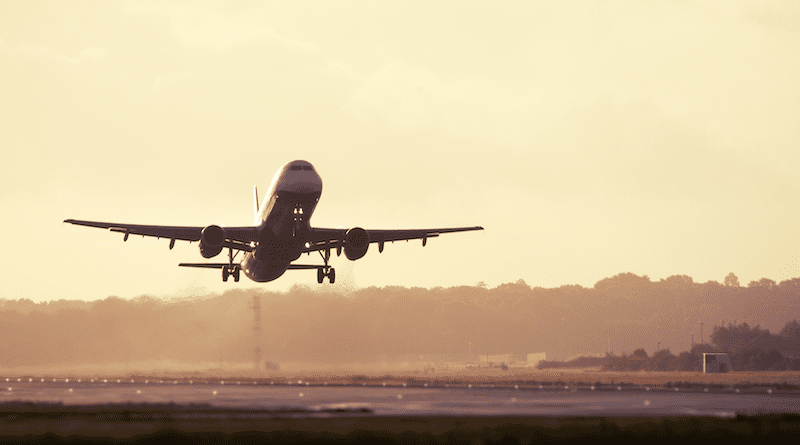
[322, 273]
[326, 271]
[231, 269]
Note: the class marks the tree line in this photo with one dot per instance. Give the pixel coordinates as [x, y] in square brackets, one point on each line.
[749, 348]
[328, 325]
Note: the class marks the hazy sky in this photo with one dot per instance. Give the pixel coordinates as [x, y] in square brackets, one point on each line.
[588, 138]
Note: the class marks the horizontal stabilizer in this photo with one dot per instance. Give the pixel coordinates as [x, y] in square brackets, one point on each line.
[207, 265]
[221, 265]
[302, 266]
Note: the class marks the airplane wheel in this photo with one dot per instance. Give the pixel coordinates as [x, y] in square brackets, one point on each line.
[236, 275]
[332, 275]
[224, 274]
[320, 275]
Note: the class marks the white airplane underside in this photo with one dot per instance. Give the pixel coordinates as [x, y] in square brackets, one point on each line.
[280, 234]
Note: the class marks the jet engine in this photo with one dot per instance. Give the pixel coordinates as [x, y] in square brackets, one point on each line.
[212, 239]
[356, 243]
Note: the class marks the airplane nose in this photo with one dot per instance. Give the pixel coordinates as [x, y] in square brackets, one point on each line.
[302, 182]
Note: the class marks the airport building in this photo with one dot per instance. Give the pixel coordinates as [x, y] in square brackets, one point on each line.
[534, 358]
[529, 360]
[714, 362]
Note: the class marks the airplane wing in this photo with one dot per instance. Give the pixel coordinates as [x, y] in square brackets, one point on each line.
[322, 239]
[236, 237]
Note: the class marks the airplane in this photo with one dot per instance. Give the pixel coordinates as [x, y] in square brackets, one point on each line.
[280, 234]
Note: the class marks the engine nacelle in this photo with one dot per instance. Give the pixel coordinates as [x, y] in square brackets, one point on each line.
[356, 243]
[211, 240]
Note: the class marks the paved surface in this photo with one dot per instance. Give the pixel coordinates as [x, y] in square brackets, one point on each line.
[307, 399]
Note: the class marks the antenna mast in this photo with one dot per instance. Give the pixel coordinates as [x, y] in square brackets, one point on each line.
[256, 307]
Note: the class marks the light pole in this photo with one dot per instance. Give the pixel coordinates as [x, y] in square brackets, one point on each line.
[701, 332]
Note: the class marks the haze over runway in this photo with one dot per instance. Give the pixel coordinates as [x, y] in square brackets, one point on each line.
[319, 399]
[588, 139]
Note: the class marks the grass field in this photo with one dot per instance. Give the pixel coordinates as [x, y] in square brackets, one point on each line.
[154, 423]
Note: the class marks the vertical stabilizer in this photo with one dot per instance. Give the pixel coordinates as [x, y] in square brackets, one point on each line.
[255, 201]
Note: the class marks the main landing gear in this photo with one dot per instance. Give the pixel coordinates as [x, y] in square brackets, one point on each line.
[323, 272]
[326, 271]
[231, 269]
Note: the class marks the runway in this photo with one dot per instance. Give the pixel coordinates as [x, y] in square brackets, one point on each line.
[322, 399]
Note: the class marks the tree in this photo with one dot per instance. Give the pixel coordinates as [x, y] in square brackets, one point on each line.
[624, 281]
[748, 360]
[663, 360]
[679, 280]
[790, 337]
[791, 331]
[774, 361]
[689, 362]
[735, 338]
[731, 280]
[764, 283]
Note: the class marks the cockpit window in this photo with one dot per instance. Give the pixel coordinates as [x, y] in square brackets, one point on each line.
[308, 167]
[297, 167]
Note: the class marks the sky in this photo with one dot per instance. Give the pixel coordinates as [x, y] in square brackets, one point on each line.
[587, 138]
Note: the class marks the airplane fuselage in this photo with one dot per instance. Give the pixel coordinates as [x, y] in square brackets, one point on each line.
[283, 220]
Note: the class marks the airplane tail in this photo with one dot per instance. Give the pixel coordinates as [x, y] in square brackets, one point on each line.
[255, 201]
